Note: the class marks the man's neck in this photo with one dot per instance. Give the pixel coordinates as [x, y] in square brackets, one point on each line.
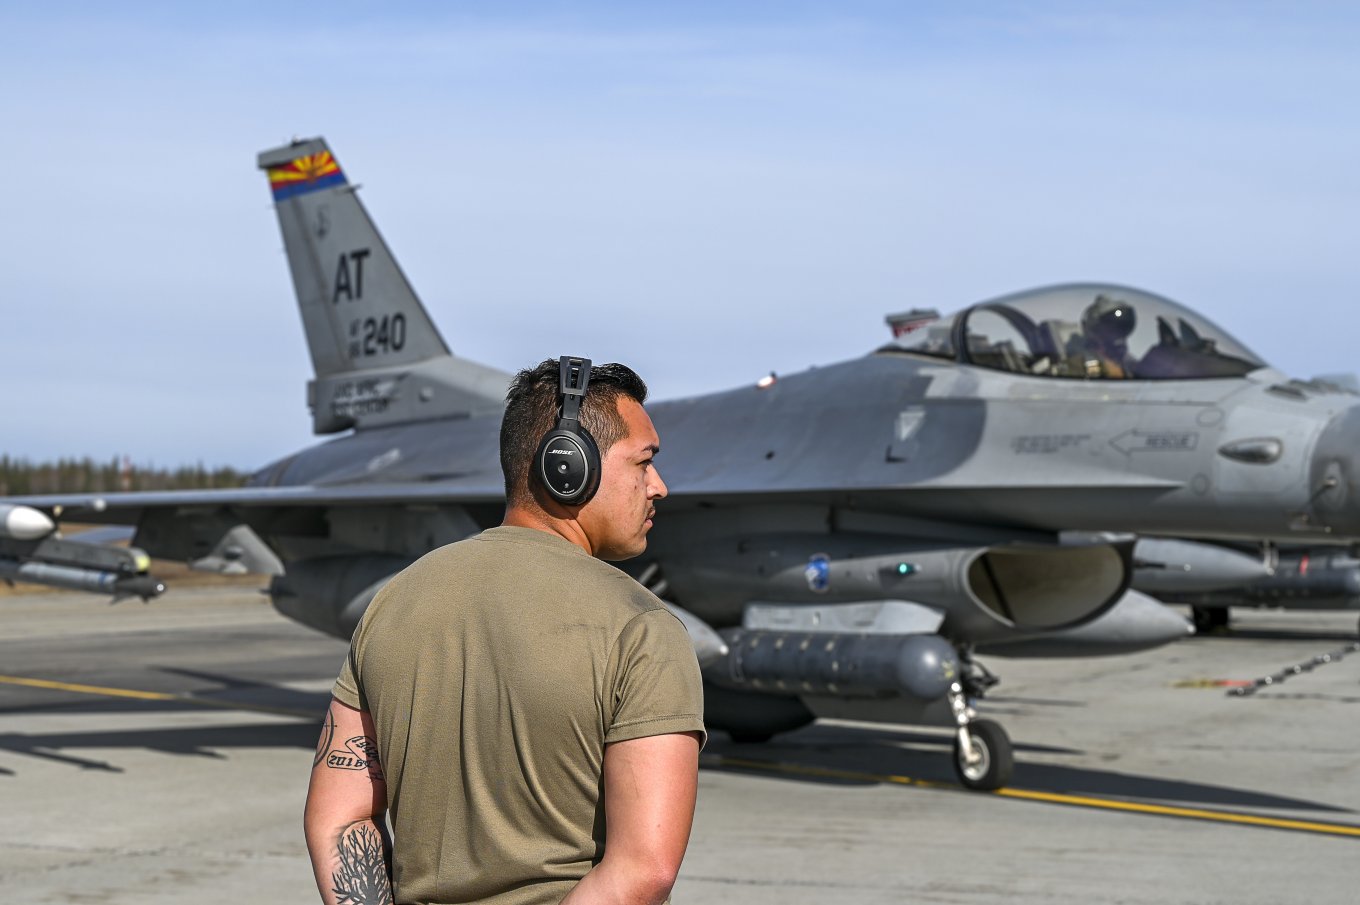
[532, 517]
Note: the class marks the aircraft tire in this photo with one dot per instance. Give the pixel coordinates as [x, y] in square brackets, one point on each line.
[1210, 619]
[998, 758]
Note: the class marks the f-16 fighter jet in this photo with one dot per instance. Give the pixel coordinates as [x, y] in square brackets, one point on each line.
[841, 542]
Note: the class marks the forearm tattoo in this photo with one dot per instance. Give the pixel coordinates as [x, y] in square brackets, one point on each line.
[358, 753]
[363, 873]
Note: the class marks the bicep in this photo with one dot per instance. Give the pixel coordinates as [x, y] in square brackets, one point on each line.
[649, 792]
[347, 775]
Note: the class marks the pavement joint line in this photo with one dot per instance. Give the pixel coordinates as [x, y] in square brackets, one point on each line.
[1084, 801]
[135, 694]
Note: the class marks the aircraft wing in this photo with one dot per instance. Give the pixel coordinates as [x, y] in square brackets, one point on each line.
[124, 508]
[214, 529]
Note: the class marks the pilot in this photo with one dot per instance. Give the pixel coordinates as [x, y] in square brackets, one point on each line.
[1106, 324]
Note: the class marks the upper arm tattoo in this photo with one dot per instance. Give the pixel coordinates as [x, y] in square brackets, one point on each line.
[363, 873]
[327, 736]
[358, 753]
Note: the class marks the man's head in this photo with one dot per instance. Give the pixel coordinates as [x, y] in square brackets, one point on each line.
[1108, 322]
[616, 520]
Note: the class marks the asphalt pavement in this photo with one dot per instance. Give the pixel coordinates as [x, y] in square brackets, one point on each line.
[159, 753]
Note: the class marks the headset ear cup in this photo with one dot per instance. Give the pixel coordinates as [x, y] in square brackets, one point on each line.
[596, 466]
[567, 465]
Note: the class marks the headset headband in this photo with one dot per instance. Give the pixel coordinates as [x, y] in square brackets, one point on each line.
[574, 377]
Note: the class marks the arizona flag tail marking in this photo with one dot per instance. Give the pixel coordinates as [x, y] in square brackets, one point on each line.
[305, 174]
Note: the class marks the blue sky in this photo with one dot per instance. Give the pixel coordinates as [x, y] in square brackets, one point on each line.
[748, 187]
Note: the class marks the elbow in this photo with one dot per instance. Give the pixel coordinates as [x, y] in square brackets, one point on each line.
[639, 878]
[654, 880]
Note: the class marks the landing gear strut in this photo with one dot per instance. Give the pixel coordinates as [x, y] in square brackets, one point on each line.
[983, 756]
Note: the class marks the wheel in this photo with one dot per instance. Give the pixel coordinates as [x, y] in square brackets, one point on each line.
[1209, 619]
[996, 757]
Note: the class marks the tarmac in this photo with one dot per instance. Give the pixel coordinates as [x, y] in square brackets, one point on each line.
[160, 752]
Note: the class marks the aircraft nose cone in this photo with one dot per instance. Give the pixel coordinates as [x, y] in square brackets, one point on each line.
[1334, 477]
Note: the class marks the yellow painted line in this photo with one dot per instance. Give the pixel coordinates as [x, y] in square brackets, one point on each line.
[1275, 823]
[88, 689]
[107, 692]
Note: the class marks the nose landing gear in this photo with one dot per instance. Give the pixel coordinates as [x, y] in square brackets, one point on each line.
[984, 758]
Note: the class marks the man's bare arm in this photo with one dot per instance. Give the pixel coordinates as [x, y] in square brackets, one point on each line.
[345, 819]
[649, 791]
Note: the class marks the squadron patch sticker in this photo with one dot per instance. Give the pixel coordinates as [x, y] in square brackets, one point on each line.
[818, 573]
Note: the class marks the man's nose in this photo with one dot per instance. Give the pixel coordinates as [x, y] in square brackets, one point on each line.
[657, 487]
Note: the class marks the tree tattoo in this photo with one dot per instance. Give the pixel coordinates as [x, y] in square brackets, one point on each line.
[327, 736]
[362, 875]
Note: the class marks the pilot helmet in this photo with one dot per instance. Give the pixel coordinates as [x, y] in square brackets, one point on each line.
[1108, 319]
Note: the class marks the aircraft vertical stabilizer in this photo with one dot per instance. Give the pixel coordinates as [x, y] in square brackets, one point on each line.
[377, 356]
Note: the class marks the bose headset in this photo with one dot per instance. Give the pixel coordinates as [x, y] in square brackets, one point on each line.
[568, 461]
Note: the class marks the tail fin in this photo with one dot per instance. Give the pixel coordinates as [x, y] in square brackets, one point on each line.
[377, 356]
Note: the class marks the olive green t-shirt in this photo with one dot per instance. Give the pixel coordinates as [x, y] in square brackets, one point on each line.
[496, 670]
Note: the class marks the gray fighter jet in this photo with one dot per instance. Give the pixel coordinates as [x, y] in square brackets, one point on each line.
[1213, 576]
[839, 542]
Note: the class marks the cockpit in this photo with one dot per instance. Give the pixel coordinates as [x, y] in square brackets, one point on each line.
[1084, 331]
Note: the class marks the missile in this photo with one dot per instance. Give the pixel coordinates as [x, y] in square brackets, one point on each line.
[77, 578]
[1179, 567]
[79, 566]
[857, 665]
[1318, 579]
[23, 523]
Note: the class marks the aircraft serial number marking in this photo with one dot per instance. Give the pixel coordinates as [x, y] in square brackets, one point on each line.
[376, 335]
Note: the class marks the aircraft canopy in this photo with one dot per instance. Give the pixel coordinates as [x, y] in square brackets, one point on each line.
[1087, 331]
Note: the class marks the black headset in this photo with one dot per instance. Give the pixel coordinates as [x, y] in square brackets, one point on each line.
[568, 461]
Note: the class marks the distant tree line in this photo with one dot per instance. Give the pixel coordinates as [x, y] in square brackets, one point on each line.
[20, 477]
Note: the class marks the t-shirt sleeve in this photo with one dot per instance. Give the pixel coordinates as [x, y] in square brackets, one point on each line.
[346, 688]
[657, 688]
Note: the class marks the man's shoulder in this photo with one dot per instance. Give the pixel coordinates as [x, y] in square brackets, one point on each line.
[503, 544]
[507, 548]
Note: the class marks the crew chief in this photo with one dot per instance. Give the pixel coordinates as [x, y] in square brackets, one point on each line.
[530, 715]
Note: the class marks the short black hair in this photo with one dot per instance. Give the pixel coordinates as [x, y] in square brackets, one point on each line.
[532, 409]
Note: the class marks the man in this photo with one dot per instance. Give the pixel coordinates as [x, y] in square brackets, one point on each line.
[531, 715]
[1106, 324]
